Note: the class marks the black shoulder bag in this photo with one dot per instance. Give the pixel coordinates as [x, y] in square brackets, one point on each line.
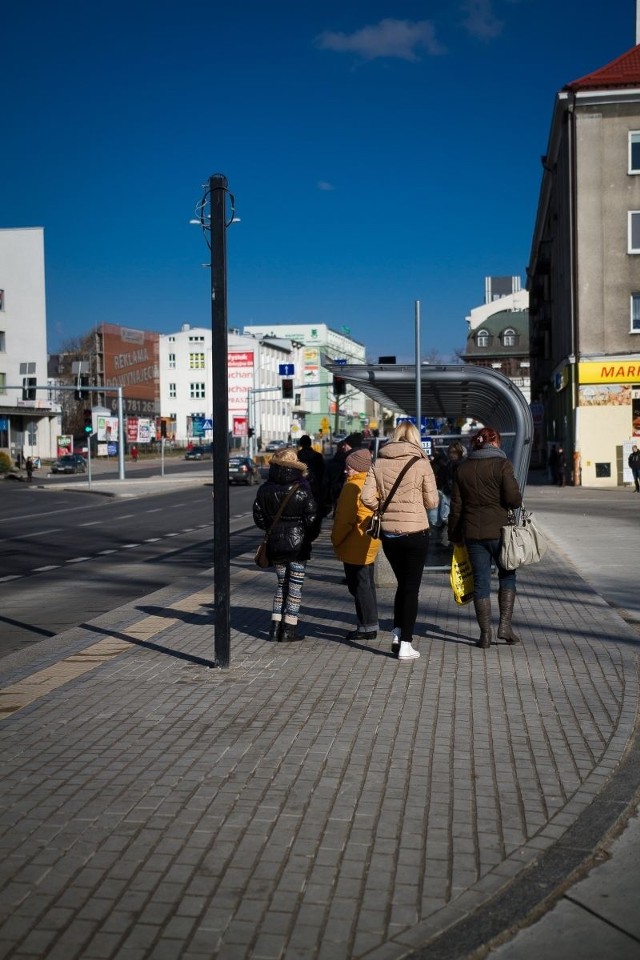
[375, 525]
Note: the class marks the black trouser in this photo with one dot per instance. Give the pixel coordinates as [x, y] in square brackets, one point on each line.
[362, 587]
[407, 556]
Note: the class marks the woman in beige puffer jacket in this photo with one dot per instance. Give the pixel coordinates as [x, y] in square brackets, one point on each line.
[405, 526]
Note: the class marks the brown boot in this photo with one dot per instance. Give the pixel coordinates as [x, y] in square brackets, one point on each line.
[506, 600]
[483, 616]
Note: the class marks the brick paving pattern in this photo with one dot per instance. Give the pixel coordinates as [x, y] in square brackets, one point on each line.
[318, 800]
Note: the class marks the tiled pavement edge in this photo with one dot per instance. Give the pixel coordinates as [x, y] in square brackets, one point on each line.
[316, 800]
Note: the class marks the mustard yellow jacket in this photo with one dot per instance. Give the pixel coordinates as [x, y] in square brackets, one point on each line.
[349, 536]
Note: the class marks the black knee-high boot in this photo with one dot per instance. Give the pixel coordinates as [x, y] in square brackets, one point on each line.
[483, 616]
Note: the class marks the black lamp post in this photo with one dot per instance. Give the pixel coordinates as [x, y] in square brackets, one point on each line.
[216, 224]
[220, 406]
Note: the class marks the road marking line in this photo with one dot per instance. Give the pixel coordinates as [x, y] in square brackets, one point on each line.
[90, 523]
[54, 566]
[103, 553]
[15, 576]
[78, 560]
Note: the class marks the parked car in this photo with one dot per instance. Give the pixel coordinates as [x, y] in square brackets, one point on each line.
[243, 470]
[203, 452]
[274, 445]
[70, 463]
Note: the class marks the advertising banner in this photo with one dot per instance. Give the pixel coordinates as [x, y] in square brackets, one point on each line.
[131, 362]
[240, 375]
[107, 429]
[240, 427]
[64, 445]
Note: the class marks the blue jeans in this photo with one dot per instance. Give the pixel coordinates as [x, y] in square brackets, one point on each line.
[481, 553]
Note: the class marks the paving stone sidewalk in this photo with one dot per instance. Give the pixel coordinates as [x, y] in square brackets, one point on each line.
[318, 800]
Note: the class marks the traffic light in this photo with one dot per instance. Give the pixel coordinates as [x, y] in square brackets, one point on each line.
[251, 431]
[339, 386]
[88, 422]
[29, 388]
[163, 429]
[81, 393]
[287, 389]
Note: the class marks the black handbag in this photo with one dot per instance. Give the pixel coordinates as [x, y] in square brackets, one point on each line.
[261, 557]
[375, 524]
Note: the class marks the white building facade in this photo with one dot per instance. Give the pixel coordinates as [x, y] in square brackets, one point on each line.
[257, 410]
[29, 415]
[319, 409]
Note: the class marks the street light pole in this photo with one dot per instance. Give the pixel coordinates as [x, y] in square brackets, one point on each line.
[220, 406]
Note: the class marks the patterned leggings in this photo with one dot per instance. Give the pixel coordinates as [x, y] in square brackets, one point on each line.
[288, 595]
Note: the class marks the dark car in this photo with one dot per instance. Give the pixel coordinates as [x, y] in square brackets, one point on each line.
[203, 452]
[70, 463]
[274, 445]
[243, 470]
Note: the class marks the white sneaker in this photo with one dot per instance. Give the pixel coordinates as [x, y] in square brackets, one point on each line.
[395, 640]
[407, 652]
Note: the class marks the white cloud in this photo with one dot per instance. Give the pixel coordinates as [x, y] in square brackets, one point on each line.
[481, 20]
[389, 38]
[325, 185]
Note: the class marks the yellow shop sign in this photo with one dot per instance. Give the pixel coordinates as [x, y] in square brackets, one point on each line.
[609, 371]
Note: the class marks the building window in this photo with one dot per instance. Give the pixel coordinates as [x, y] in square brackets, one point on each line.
[635, 313]
[196, 339]
[482, 338]
[172, 361]
[3, 344]
[196, 391]
[634, 231]
[171, 339]
[3, 383]
[634, 151]
[1, 299]
[196, 361]
[509, 338]
[172, 391]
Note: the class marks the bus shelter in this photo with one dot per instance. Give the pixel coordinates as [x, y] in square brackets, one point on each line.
[451, 391]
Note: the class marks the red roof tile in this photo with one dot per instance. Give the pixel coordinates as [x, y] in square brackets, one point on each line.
[624, 71]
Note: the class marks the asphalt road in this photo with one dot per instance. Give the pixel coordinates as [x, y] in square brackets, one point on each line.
[67, 557]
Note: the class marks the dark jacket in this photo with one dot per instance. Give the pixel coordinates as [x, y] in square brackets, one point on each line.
[634, 460]
[315, 468]
[291, 537]
[484, 489]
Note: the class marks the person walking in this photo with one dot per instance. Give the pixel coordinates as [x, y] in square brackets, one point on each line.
[455, 454]
[634, 463]
[134, 453]
[405, 527]
[289, 542]
[315, 466]
[484, 489]
[353, 545]
[334, 474]
[29, 466]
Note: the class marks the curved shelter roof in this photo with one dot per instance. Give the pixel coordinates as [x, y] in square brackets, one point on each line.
[451, 390]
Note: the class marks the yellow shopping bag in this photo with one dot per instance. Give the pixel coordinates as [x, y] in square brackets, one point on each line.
[461, 576]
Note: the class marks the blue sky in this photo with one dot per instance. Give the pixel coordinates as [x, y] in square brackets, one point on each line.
[379, 153]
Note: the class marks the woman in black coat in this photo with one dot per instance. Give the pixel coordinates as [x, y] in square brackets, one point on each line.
[289, 543]
[484, 489]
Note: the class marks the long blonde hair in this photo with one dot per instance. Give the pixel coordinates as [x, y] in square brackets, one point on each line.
[407, 431]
